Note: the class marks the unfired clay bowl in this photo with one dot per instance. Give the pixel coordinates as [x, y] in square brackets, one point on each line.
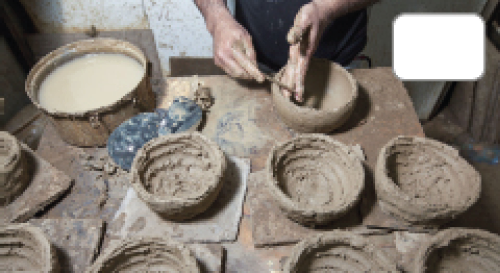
[179, 175]
[24, 247]
[423, 181]
[146, 255]
[14, 175]
[337, 251]
[314, 179]
[330, 93]
[459, 250]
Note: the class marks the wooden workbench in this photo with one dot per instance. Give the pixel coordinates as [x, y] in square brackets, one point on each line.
[244, 123]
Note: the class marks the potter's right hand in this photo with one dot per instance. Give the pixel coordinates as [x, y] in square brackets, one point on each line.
[233, 49]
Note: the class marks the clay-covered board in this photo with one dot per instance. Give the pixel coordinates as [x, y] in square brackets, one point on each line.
[77, 241]
[218, 224]
[270, 226]
[46, 186]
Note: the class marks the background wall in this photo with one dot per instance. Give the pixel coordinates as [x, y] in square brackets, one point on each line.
[179, 29]
[177, 25]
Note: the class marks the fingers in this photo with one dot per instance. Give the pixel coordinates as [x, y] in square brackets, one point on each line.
[230, 66]
[247, 64]
[300, 77]
[301, 25]
[287, 79]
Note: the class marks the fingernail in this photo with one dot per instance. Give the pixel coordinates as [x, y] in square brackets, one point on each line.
[298, 97]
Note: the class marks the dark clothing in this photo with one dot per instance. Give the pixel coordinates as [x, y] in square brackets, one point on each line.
[268, 22]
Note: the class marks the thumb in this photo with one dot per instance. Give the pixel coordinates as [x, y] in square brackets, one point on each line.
[300, 26]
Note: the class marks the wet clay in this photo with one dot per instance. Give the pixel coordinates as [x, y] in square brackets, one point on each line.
[337, 251]
[88, 121]
[459, 250]
[90, 82]
[14, 175]
[146, 255]
[179, 175]
[24, 247]
[423, 181]
[314, 179]
[329, 96]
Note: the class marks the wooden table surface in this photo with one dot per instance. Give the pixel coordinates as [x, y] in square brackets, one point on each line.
[244, 123]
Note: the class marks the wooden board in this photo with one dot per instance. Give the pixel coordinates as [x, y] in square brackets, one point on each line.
[46, 186]
[77, 241]
[188, 66]
[244, 123]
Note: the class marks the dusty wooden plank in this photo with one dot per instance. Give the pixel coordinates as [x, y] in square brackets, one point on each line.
[270, 226]
[188, 66]
[95, 194]
[46, 186]
[77, 241]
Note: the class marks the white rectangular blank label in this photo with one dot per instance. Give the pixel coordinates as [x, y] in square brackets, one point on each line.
[440, 46]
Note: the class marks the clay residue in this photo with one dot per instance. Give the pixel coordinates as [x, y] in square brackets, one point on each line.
[423, 172]
[178, 169]
[179, 172]
[337, 252]
[312, 174]
[146, 255]
[460, 250]
[425, 179]
[25, 248]
[317, 174]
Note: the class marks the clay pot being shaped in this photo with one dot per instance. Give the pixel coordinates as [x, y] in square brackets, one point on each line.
[423, 181]
[179, 175]
[330, 93]
[24, 247]
[146, 255]
[14, 175]
[314, 179]
[458, 250]
[337, 251]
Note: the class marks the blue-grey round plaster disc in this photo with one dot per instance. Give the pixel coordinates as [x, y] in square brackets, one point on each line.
[130, 136]
[182, 116]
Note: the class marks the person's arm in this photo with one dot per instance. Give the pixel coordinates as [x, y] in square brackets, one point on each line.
[304, 36]
[232, 45]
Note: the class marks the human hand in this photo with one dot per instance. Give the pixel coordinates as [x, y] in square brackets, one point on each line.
[309, 25]
[233, 49]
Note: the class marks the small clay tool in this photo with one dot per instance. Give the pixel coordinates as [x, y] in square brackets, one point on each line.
[239, 53]
[280, 84]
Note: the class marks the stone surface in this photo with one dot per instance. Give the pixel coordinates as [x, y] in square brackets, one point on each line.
[46, 186]
[77, 240]
[218, 224]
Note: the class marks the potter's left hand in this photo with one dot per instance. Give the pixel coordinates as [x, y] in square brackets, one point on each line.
[310, 23]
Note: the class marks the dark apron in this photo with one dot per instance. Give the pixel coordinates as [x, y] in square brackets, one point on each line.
[268, 22]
